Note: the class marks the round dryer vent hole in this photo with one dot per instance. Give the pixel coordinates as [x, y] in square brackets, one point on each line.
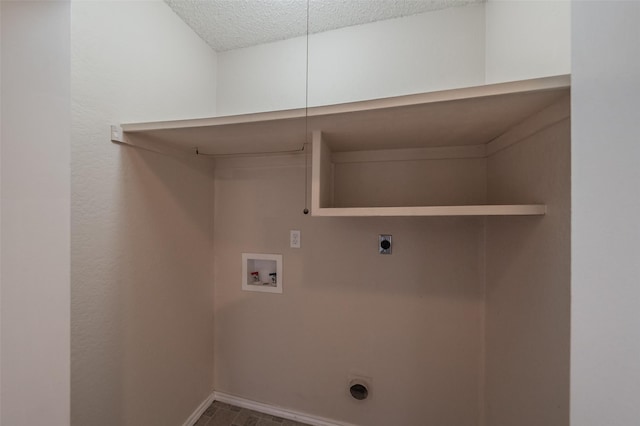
[359, 391]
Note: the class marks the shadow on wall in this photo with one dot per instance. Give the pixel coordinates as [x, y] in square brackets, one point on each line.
[165, 280]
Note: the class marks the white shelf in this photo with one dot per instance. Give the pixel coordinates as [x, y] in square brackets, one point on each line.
[449, 118]
[449, 124]
[482, 210]
[323, 185]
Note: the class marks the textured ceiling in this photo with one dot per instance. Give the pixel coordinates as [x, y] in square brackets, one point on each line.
[232, 24]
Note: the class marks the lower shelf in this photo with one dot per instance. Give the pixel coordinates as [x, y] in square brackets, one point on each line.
[482, 210]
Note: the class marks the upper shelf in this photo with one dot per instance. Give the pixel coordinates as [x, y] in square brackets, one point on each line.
[467, 116]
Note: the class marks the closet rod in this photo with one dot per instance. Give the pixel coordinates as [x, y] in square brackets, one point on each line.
[243, 154]
[118, 136]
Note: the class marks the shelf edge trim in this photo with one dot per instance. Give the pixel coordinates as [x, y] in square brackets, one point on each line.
[475, 210]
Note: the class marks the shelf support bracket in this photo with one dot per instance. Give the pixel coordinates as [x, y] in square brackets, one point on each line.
[120, 137]
[117, 134]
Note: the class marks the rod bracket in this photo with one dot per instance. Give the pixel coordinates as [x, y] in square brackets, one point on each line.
[117, 135]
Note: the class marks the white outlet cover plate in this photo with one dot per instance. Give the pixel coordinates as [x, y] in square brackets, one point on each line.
[294, 238]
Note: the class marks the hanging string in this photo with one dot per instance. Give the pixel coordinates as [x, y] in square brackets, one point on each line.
[306, 122]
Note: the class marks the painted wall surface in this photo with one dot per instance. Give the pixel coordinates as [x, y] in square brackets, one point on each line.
[411, 321]
[35, 212]
[108, 187]
[420, 53]
[141, 250]
[605, 336]
[262, 78]
[528, 280]
[451, 182]
[527, 39]
[1, 211]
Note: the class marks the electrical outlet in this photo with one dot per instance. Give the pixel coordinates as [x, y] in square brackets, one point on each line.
[294, 238]
[384, 244]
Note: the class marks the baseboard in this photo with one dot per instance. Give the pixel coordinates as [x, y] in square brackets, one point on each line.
[193, 418]
[276, 411]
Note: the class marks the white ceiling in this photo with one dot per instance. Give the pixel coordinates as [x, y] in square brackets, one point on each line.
[232, 24]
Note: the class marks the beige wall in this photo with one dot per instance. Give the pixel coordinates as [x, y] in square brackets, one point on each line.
[528, 280]
[411, 321]
[605, 294]
[34, 265]
[141, 250]
[410, 183]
